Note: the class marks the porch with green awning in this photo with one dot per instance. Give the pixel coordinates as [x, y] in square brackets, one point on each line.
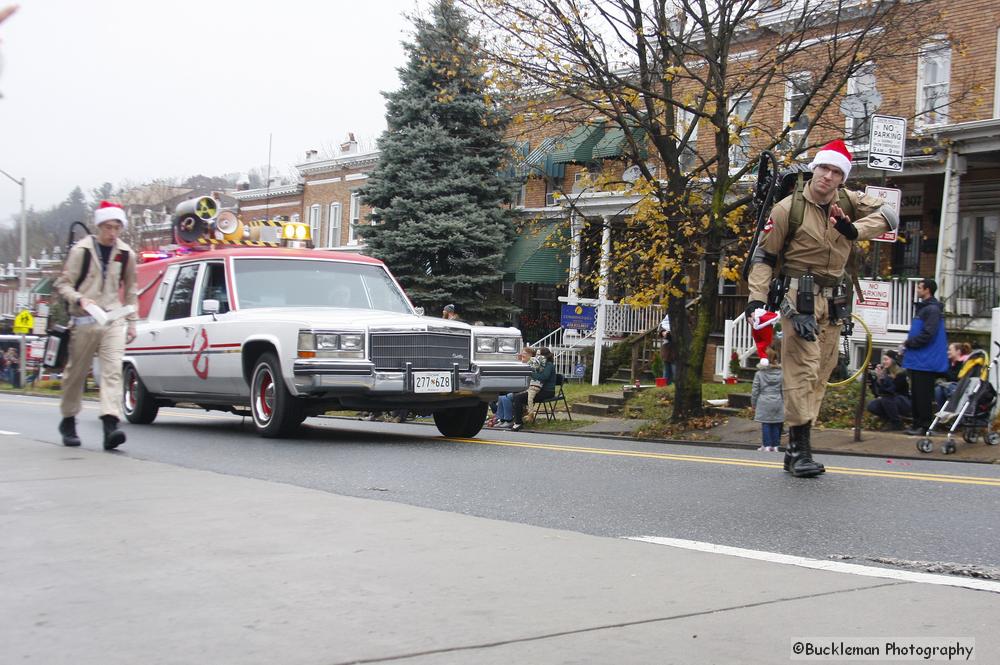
[613, 143]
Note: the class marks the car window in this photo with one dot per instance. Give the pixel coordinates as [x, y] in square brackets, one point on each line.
[316, 283]
[213, 287]
[179, 304]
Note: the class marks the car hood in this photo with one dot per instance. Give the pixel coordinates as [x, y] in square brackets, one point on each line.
[340, 318]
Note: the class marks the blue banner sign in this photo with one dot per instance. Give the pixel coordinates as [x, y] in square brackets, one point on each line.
[578, 317]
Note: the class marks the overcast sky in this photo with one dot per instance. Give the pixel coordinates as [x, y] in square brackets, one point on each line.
[101, 91]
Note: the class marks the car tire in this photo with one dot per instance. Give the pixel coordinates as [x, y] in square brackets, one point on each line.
[138, 405]
[275, 412]
[461, 422]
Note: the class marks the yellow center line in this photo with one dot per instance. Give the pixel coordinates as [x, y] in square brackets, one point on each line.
[675, 457]
[732, 461]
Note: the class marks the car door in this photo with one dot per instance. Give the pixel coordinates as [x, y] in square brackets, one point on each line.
[176, 333]
[215, 361]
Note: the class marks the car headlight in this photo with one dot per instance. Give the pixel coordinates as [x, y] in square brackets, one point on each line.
[331, 344]
[508, 344]
[327, 342]
[495, 347]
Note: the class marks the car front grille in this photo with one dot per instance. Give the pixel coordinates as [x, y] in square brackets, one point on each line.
[426, 350]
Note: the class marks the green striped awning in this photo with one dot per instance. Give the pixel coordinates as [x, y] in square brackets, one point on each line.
[613, 143]
[43, 287]
[578, 145]
[530, 261]
[539, 161]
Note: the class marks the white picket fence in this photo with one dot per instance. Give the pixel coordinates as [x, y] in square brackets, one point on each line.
[568, 345]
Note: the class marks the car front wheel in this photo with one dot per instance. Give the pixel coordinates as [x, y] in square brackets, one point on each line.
[462, 422]
[138, 405]
[275, 411]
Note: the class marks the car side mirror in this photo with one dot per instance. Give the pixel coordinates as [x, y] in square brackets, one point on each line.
[419, 311]
[210, 306]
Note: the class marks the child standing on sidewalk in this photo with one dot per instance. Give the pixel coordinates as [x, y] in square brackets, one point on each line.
[768, 401]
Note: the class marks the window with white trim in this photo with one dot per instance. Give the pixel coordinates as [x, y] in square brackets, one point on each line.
[797, 92]
[315, 219]
[857, 129]
[689, 154]
[933, 81]
[739, 150]
[333, 235]
[355, 218]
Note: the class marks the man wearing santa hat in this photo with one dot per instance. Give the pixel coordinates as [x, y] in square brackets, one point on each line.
[811, 260]
[98, 280]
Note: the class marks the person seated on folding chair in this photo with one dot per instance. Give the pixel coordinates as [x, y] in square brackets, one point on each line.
[547, 375]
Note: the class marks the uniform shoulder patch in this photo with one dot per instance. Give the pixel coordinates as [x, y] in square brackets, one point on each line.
[769, 225]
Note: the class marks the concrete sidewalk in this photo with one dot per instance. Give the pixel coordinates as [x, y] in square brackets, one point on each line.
[106, 559]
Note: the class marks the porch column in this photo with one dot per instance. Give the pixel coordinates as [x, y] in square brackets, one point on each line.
[575, 229]
[947, 250]
[602, 297]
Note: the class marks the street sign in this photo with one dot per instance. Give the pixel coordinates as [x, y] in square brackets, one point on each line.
[578, 317]
[40, 326]
[887, 143]
[23, 322]
[22, 298]
[874, 311]
[579, 370]
[892, 198]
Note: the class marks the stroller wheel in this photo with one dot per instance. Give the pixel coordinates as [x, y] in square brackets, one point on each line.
[970, 434]
[925, 445]
[992, 438]
[948, 447]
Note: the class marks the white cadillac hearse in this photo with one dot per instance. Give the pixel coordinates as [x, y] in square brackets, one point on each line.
[282, 334]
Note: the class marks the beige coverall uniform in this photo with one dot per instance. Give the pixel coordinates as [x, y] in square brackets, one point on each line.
[89, 337]
[818, 247]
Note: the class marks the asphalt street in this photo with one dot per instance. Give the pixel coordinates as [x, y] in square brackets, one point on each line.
[864, 510]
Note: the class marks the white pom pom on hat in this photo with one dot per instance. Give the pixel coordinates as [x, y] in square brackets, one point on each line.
[764, 362]
[108, 211]
[834, 153]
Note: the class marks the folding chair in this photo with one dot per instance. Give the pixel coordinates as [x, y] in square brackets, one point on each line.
[549, 404]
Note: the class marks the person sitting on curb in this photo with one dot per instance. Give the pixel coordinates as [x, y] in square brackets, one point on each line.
[893, 392]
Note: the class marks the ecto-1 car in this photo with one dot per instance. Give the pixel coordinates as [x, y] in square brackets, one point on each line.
[283, 334]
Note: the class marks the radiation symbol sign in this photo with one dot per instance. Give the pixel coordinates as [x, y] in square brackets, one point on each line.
[23, 322]
[206, 208]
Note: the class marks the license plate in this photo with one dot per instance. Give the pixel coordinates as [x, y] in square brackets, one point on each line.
[432, 382]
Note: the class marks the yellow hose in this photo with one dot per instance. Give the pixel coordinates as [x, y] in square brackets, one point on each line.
[864, 364]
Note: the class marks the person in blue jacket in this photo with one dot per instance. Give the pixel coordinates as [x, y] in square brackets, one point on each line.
[925, 355]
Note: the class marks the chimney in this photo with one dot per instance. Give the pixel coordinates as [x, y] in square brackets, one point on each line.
[311, 155]
[350, 146]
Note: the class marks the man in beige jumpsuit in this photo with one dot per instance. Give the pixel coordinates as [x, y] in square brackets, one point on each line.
[820, 247]
[111, 269]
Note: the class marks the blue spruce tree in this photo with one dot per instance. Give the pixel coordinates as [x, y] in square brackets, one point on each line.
[438, 196]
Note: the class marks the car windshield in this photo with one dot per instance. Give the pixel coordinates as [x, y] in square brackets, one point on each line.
[316, 283]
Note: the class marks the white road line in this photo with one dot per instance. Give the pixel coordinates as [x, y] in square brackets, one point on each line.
[820, 564]
[6, 433]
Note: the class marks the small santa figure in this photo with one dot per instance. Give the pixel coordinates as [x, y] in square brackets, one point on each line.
[762, 330]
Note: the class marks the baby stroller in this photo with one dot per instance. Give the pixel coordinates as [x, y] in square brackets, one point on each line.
[969, 407]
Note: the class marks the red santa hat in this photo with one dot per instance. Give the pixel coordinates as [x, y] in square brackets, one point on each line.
[762, 331]
[108, 211]
[834, 153]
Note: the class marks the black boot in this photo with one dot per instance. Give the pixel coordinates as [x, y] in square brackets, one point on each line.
[113, 437]
[798, 459]
[67, 427]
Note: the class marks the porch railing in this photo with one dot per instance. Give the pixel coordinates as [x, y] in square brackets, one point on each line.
[972, 293]
[567, 346]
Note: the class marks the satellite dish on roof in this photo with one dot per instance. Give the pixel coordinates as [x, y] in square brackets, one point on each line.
[632, 173]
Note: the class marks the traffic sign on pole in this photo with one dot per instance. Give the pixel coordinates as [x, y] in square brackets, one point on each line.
[23, 322]
[887, 143]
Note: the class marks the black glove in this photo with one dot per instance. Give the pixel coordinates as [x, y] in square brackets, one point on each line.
[751, 306]
[844, 226]
[805, 326]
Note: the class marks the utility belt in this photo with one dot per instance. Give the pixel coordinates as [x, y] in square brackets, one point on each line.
[807, 288]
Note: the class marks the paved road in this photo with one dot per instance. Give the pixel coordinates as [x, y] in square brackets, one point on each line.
[863, 509]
